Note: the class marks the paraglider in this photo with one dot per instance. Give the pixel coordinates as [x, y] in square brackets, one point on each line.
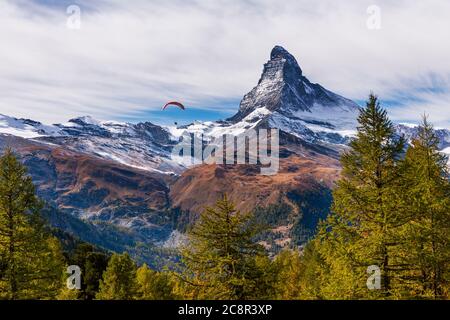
[174, 103]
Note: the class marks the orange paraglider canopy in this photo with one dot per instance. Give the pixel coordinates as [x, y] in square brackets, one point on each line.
[174, 103]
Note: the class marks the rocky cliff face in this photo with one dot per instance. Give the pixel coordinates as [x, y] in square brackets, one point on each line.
[285, 99]
[282, 88]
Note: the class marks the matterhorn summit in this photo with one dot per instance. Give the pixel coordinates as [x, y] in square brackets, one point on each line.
[284, 98]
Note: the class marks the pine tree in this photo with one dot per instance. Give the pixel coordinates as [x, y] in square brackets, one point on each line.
[119, 279]
[221, 255]
[426, 243]
[366, 214]
[31, 260]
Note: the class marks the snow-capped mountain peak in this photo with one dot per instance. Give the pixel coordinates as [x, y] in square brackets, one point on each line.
[25, 128]
[296, 105]
[282, 87]
[86, 120]
[143, 145]
[281, 66]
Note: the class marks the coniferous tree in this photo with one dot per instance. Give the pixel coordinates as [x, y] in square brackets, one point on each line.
[221, 257]
[119, 279]
[92, 263]
[66, 292]
[93, 268]
[31, 260]
[288, 275]
[329, 267]
[426, 242]
[153, 285]
[366, 212]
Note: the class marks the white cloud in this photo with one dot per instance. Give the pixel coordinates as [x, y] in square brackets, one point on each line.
[435, 105]
[131, 56]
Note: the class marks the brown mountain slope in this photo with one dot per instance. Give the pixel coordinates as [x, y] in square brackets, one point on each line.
[88, 186]
[292, 202]
[202, 185]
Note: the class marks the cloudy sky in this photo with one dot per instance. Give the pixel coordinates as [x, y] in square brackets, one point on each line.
[129, 57]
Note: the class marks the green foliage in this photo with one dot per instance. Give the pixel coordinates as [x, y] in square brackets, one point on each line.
[31, 260]
[389, 210]
[92, 263]
[274, 214]
[153, 285]
[314, 206]
[288, 275]
[119, 279]
[426, 238]
[67, 293]
[366, 213]
[222, 260]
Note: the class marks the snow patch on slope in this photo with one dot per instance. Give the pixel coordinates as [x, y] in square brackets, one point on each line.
[329, 118]
[25, 128]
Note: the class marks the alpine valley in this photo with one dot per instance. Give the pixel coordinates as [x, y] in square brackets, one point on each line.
[116, 185]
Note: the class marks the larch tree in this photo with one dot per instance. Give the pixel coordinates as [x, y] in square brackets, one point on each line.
[426, 243]
[31, 262]
[119, 279]
[366, 212]
[289, 270]
[154, 285]
[221, 258]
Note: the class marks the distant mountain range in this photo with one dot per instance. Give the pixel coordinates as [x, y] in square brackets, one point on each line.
[117, 185]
